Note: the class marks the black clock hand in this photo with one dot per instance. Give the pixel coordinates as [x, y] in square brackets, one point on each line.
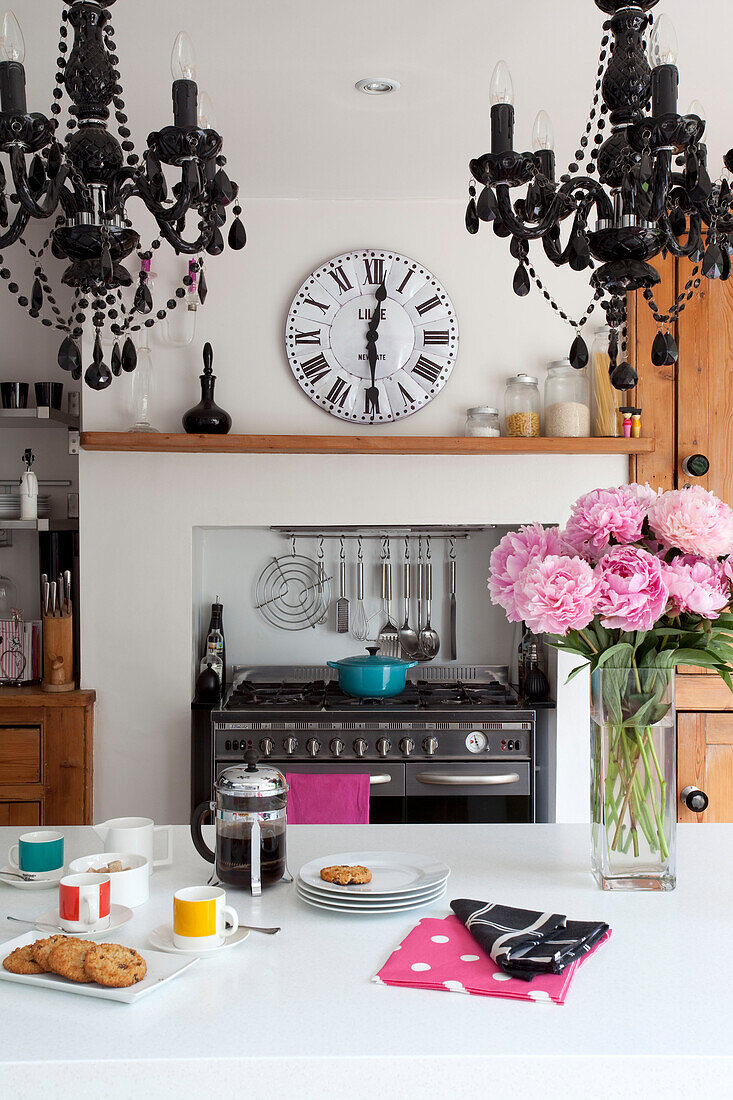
[372, 394]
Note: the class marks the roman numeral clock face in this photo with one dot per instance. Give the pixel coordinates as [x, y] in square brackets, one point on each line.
[371, 336]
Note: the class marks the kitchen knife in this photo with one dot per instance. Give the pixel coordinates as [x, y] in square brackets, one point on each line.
[60, 590]
[46, 596]
[52, 587]
[67, 587]
[453, 651]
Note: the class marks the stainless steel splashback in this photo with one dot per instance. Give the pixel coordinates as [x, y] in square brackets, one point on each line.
[481, 674]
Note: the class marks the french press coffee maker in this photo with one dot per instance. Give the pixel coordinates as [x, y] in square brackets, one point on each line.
[249, 811]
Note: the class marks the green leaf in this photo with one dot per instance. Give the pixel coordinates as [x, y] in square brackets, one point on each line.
[696, 657]
[574, 673]
[622, 653]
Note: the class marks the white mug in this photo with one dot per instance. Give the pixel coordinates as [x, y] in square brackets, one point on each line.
[130, 886]
[201, 920]
[84, 902]
[136, 834]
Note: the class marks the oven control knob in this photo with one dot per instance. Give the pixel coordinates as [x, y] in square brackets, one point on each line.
[360, 746]
[290, 744]
[383, 746]
[313, 746]
[430, 745]
[266, 746]
[406, 746]
[337, 746]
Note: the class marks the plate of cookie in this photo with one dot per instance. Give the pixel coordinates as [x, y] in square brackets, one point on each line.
[398, 876]
[75, 965]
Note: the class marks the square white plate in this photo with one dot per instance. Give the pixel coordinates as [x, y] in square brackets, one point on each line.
[161, 968]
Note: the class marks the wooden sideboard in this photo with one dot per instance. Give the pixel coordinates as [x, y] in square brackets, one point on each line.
[46, 743]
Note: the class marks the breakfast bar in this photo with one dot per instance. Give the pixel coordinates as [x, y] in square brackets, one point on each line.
[300, 1008]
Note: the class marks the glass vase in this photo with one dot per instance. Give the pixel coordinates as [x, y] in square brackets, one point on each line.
[141, 392]
[633, 778]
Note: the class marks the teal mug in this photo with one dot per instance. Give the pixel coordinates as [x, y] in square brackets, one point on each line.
[39, 852]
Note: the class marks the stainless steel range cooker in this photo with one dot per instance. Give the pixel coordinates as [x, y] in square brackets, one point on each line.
[455, 746]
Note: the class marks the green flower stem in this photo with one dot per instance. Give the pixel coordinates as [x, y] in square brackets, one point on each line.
[657, 807]
[624, 807]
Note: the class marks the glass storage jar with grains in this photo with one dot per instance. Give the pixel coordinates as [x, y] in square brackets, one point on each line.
[606, 399]
[483, 420]
[522, 406]
[567, 401]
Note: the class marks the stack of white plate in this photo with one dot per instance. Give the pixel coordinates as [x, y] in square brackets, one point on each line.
[400, 881]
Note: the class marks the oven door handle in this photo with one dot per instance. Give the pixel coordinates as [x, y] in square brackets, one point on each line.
[439, 779]
[378, 780]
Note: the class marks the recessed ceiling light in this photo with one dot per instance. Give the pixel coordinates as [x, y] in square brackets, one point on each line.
[377, 85]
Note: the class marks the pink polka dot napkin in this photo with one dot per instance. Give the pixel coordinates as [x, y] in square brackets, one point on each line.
[442, 954]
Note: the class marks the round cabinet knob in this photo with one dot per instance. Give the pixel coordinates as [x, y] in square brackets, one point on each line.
[695, 800]
[290, 744]
[696, 466]
[406, 746]
[430, 745]
[360, 746]
[266, 746]
[337, 746]
[313, 746]
[383, 746]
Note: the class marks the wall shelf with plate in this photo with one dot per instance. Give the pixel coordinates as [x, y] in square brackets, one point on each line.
[357, 444]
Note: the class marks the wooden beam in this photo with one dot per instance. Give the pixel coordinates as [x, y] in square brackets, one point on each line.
[356, 444]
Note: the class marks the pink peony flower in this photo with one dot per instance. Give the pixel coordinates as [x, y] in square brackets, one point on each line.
[602, 515]
[633, 593]
[697, 586]
[512, 555]
[557, 594]
[693, 520]
[643, 493]
[728, 569]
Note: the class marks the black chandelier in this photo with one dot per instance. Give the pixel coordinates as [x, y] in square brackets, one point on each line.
[88, 179]
[647, 191]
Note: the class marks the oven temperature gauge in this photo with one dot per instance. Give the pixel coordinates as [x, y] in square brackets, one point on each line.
[476, 741]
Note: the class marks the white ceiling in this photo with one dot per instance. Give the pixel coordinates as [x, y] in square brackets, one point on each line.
[281, 75]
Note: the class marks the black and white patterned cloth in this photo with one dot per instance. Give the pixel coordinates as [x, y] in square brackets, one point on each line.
[525, 943]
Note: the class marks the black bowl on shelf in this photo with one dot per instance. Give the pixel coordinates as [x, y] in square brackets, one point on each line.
[14, 395]
[49, 394]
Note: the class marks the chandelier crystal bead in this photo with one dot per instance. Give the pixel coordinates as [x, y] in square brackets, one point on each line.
[86, 182]
[647, 192]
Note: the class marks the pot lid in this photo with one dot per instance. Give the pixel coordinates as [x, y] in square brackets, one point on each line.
[371, 660]
[252, 780]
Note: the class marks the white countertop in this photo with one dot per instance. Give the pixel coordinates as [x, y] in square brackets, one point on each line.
[297, 1014]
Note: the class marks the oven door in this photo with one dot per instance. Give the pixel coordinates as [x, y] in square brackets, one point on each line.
[444, 793]
[386, 785]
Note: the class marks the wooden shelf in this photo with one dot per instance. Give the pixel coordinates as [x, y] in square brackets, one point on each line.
[357, 444]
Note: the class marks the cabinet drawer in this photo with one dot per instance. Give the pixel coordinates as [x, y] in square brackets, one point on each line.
[20, 755]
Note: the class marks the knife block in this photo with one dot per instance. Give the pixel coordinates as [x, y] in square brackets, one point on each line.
[58, 653]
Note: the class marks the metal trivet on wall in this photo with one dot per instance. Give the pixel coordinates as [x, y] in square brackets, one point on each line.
[293, 592]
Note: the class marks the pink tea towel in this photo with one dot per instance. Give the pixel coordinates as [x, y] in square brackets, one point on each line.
[316, 799]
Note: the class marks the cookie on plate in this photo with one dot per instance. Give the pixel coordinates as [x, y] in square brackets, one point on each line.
[67, 959]
[343, 875]
[21, 961]
[41, 949]
[111, 964]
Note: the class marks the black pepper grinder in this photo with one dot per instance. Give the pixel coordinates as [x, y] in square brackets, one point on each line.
[207, 418]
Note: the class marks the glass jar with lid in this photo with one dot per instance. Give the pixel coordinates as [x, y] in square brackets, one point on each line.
[567, 401]
[483, 420]
[522, 406]
[605, 399]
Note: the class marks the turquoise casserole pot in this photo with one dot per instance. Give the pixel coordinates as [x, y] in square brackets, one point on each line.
[372, 677]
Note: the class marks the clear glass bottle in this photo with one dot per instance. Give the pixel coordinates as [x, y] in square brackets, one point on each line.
[606, 400]
[522, 406]
[141, 392]
[483, 420]
[212, 659]
[567, 401]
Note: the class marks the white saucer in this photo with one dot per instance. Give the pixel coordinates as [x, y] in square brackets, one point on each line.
[161, 938]
[45, 880]
[118, 915]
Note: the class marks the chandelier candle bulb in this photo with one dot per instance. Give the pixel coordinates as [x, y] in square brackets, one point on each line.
[501, 95]
[12, 88]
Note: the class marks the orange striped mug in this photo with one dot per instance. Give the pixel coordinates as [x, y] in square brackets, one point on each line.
[201, 919]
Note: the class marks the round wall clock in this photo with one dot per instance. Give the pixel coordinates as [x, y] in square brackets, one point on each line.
[371, 336]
